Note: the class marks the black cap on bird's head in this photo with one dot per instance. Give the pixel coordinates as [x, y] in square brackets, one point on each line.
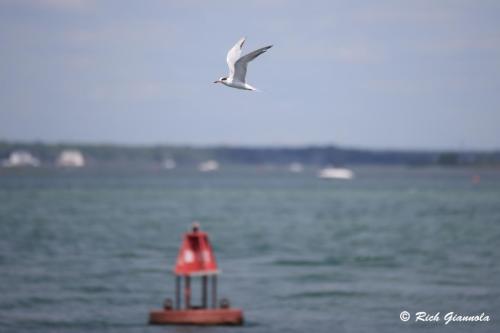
[220, 80]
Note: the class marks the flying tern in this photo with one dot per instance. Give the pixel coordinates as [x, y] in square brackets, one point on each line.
[238, 66]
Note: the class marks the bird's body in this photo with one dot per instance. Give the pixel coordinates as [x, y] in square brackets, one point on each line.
[238, 66]
[230, 82]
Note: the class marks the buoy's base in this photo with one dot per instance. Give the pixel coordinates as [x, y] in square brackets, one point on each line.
[197, 317]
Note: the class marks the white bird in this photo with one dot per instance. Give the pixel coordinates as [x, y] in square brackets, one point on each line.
[238, 66]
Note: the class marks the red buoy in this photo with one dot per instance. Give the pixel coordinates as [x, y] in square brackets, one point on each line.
[196, 259]
[196, 256]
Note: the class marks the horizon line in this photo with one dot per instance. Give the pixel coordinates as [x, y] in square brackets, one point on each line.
[249, 146]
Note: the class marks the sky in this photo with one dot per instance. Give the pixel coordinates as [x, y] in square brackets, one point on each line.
[370, 74]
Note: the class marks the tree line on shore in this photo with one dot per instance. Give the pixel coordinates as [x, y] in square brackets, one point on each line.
[107, 154]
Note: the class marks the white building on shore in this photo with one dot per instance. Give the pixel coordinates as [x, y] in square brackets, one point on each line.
[208, 166]
[70, 159]
[336, 173]
[21, 158]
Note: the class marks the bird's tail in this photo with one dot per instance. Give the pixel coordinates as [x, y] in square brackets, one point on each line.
[249, 87]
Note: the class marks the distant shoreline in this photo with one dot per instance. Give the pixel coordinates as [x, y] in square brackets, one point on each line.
[113, 154]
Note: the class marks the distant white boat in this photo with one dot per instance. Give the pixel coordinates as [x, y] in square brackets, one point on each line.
[70, 159]
[169, 164]
[295, 167]
[208, 166]
[21, 158]
[335, 173]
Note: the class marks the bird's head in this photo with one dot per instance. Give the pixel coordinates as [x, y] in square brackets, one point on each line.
[221, 80]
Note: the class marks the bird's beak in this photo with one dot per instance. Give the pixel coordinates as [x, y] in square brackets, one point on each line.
[216, 81]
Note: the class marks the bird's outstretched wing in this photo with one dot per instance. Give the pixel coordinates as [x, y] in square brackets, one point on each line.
[240, 67]
[233, 55]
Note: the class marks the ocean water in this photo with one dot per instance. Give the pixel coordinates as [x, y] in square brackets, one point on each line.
[92, 250]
